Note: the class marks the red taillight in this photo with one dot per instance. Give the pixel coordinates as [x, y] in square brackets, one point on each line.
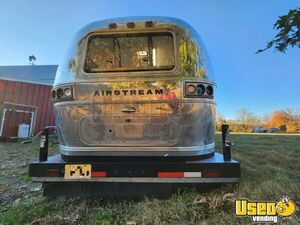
[63, 93]
[53, 94]
[200, 89]
[209, 90]
[52, 173]
[170, 174]
[99, 174]
[196, 89]
[211, 173]
[60, 93]
[178, 174]
[191, 89]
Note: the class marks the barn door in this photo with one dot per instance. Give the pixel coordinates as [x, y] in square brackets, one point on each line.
[13, 116]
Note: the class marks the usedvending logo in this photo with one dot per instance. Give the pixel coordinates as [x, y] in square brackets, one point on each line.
[265, 211]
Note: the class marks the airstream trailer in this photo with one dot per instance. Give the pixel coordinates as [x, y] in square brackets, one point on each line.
[138, 92]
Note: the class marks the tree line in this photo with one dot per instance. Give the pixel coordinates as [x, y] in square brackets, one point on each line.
[278, 121]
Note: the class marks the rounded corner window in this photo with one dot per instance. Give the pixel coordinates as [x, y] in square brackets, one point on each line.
[130, 52]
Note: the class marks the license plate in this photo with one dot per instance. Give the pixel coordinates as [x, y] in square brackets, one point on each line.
[78, 171]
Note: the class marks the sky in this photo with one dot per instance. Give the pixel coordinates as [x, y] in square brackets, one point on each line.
[232, 31]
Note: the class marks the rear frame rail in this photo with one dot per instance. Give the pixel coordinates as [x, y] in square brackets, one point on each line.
[215, 169]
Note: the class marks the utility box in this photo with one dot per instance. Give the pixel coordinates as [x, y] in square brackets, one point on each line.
[23, 130]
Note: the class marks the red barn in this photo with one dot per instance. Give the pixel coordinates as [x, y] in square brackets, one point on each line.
[25, 98]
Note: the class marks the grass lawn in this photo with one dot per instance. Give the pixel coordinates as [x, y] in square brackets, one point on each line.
[270, 167]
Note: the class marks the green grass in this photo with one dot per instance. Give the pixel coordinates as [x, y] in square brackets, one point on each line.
[270, 166]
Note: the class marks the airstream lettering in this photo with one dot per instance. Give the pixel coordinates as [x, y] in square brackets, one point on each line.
[129, 92]
[136, 90]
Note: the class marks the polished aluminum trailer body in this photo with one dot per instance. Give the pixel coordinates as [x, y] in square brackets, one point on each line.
[136, 112]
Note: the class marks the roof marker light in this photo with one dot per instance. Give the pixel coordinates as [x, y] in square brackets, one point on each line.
[149, 24]
[130, 25]
[112, 26]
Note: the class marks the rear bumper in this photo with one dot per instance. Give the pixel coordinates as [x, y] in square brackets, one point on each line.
[210, 170]
[188, 180]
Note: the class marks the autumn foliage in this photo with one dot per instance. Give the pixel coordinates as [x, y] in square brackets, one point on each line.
[281, 121]
[285, 121]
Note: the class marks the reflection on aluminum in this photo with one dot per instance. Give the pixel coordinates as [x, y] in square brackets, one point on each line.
[164, 121]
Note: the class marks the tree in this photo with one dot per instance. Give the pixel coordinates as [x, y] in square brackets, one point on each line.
[279, 120]
[285, 120]
[293, 125]
[246, 120]
[219, 121]
[266, 118]
[288, 27]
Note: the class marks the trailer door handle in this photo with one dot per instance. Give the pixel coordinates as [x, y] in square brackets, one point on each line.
[128, 109]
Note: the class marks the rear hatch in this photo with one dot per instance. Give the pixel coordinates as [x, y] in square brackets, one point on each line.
[130, 112]
[136, 119]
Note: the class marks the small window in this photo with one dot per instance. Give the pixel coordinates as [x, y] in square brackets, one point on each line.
[130, 52]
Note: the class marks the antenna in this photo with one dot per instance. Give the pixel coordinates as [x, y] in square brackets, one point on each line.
[31, 59]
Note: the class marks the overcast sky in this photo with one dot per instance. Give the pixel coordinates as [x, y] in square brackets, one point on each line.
[232, 32]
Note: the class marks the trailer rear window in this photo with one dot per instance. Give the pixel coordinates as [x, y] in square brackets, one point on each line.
[130, 52]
